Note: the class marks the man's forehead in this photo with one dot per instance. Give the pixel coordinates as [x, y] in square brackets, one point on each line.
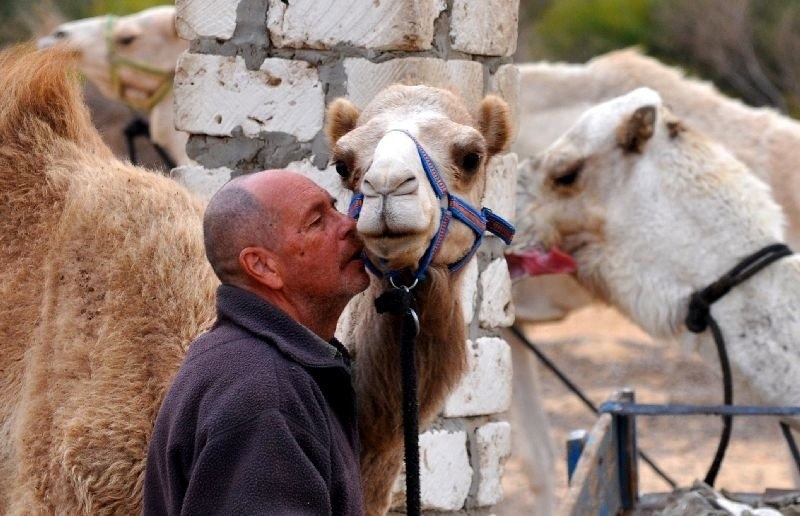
[278, 183]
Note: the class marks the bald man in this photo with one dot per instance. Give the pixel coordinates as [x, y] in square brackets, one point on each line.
[260, 418]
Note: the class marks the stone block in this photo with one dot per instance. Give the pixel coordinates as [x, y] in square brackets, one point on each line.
[214, 95]
[327, 179]
[488, 27]
[201, 181]
[369, 24]
[364, 79]
[445, 472]
[493, 442]
[196, 19]
[469, 290]
[496, 309]
[505, 82]
[501, 186]
[486, 388]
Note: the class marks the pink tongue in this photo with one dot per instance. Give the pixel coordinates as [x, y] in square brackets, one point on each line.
[535, 262]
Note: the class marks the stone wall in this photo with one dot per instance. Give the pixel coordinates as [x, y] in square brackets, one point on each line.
[252, 90]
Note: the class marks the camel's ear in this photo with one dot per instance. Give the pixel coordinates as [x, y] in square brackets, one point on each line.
[634, 131]
[341, 118]
[494, 122]
[166, 24]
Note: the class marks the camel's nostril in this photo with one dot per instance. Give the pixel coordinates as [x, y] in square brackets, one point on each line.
[368, 189]
[408, 186]
[402, 182]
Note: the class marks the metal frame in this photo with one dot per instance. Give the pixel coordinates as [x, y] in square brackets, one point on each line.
[602, 465]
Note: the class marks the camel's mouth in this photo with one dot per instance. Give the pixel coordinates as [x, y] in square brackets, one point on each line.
[396, 250]
[536, 261]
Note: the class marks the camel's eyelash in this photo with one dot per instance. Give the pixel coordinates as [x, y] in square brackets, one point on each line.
[569, 177]
[126, 40]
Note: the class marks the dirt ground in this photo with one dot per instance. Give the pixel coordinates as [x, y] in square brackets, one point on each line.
[601, 351]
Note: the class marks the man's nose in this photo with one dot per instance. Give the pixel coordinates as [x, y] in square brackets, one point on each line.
[347, 225]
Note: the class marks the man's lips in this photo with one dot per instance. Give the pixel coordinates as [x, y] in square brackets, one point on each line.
[536, 262]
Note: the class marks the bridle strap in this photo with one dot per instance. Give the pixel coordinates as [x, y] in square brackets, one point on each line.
[117, 61]
[456, 207]
[700, 302]
[699, 318]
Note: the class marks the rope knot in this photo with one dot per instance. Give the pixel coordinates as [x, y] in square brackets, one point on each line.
[699, 312]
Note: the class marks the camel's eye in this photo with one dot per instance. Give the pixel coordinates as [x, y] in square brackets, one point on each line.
[60, 34]
[126, 40]
[471, 161]
[570, 176]
[468, 156]
[342, 169]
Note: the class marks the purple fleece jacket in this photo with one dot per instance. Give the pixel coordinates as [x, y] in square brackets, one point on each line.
[260, 419]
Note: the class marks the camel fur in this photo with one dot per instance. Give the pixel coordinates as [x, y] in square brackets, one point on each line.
[652, 211]
[398, 219]
[146, 38]
[554, 95]
[104, 284]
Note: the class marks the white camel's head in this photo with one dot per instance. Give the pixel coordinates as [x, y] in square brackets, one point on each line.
[649, 209]
[375, 154]
[139, 50]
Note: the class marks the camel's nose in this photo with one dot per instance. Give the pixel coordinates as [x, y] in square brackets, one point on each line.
[395, 167]
[390, 182]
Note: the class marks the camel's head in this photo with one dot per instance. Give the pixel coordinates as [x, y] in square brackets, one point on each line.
[650, 209]
[128, 58]
[577, 188]
[376, 154]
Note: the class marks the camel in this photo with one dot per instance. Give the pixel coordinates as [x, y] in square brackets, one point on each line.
[376, 153]
[652, 210]
[131, 59]
[554, 95]
[105, 283]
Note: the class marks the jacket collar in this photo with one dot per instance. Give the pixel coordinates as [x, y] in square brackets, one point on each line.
[261, 318]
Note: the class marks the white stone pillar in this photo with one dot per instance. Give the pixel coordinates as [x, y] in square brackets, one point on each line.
[251, 90]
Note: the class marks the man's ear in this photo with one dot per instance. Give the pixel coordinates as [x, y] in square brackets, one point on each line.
[261, 266]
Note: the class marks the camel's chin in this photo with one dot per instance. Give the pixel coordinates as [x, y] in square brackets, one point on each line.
[405, 250]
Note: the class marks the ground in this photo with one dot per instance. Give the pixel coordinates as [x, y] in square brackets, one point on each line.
[601, 351]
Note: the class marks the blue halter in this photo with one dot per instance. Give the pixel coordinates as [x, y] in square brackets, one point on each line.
[477, 221]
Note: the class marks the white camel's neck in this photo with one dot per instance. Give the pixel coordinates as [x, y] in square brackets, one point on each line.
[681, 223]
[760, 322]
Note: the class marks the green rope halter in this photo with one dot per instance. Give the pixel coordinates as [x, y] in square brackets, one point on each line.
[118, 62]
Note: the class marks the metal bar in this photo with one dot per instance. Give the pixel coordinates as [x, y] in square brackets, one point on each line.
[614, 407]
[575, 390]
[626, 454]
[575, 444]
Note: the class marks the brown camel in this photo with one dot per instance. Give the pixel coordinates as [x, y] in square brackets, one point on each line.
[375, 152]
[104, 284]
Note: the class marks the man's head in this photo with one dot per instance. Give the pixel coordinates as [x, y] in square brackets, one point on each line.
[279, 235]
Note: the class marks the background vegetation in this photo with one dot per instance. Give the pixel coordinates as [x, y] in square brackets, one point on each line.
[749, 48]
[23, 19]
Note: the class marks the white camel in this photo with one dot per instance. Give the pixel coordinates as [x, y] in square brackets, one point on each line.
[131, 59]
[652, 211]
[554, 95]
